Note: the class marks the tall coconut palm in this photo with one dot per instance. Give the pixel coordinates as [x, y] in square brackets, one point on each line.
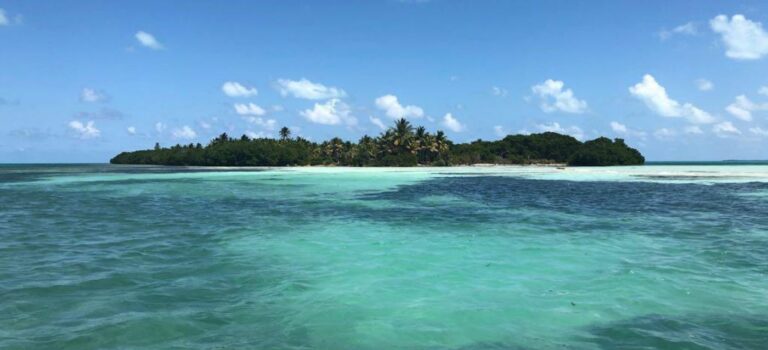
[367, 150]
[335, 149]
[403, 133]
[441, 144]
[285, 133]
[418, 146]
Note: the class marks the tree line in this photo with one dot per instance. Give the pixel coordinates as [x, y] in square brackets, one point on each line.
[401, 145]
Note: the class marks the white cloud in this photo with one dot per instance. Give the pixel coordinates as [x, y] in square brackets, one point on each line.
[683, 29]
[499, 131]
[205, 125]
[664, 133]
[574, 131]
[618, 127]
[256, 135]
[332, 112]
[235, 89]
[393, 109]
[4, 18]
[497, 91]
[742, 108]
[554, 98]
[377, 122]
[278, 108]
[655, 97]
[268, 124]
[148, 40]
[249, 109]
[704, 85]
[743, 39]
[84, 130]
[252, 113]
[693, 129]
[185, 132]
[131, 130]
[763, 90]
[453, 124]
[758, 131]
[308, 90]
[725, 129]
[160, 127]
[696, 115]
[92, 95]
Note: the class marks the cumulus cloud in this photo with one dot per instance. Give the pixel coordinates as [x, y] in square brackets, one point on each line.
[92, 95]
[618, 127]
[725, 129]
[185, 132]
[499, 131]
[235, 89]
[497, 91]
[249, 109]
[451, 123]
[308, 90]
[84, 130]
[574, 131]
[131, 130]
[555, 98]
[148, 40]
[683, 29]
[269, 124]
[693, 129]
[256, 135]
[655, 97]
[743, 39]
[704, 85]
[664, 133]
[758, 131]
[252, 113]
[377, 122]
[622, 129]
[332, 112]
[742, 108]
[160, 127]
[763, 90]
[4, 18]
[393, 109]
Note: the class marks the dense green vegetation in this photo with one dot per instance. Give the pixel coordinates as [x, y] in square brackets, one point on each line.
[400, 145]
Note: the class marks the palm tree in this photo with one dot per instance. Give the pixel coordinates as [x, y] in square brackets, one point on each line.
[366, 150]
[441, 144]
[334, 149]
[285, 133]
[418, 145]
[403, 133]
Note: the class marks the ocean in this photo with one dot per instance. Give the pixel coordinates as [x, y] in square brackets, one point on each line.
[670, 256]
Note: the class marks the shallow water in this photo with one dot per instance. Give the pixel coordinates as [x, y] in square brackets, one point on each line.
[95, 257]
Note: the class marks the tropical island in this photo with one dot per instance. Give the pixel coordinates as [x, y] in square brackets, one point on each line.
[401, 145]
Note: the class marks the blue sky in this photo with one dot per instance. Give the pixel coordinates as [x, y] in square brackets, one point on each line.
[83, 80]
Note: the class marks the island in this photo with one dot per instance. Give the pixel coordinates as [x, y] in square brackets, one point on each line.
[401, 145]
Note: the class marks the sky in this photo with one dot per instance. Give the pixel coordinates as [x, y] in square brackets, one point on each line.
[81, 81]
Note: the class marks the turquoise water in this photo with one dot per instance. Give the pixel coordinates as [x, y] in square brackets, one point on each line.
[664, 256]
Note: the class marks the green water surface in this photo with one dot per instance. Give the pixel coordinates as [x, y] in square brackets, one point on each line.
[96, 257]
